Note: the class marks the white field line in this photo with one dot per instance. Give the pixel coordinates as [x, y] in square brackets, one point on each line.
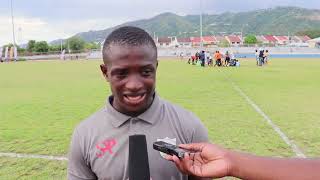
[283, 136]
[33, 156]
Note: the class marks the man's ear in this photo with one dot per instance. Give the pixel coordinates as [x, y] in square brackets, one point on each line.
[104, 70]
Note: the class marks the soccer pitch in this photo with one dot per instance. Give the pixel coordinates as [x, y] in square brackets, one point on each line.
[41, 103]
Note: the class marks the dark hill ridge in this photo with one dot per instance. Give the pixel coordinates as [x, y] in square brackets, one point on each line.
[276, 21]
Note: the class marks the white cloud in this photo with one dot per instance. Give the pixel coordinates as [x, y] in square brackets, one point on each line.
[25, 29]
[53, 19]
[39, 29]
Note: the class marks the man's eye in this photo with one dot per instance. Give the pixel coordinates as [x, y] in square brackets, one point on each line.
[121, 74]
[147, 72]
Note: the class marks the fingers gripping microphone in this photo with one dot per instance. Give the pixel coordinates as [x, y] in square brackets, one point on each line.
[138, 158]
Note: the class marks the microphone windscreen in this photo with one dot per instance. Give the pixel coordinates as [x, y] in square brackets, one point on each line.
[138, 158]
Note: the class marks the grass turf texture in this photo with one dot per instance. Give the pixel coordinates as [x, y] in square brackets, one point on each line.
[41, 103]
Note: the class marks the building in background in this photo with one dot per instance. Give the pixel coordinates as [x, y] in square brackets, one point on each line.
[234, 40]
[304, 39]
[270, 39]
[314, 43]
[262, 39]
[231, 40]
[167, 42]
[185, 42]
[282, 40]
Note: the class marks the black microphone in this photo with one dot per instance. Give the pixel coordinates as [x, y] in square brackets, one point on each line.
[138, 158]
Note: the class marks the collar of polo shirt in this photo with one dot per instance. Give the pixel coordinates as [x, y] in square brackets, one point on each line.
[150, 115]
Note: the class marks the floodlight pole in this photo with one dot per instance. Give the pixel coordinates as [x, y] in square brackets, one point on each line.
[242, 32]
[12, 20]
[201, 45]
[61, 45]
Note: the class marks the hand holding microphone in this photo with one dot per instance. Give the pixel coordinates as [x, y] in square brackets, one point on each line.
[203, 160]
[209, 160]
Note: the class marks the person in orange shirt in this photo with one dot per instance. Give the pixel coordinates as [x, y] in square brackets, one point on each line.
[220, 58]
[216, 59]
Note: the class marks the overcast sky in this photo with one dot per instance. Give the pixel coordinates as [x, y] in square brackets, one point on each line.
[54, 19]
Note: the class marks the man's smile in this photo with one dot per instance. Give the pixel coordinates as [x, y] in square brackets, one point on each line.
[134, 99]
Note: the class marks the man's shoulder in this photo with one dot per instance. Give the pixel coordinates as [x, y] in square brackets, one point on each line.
[181, 113]
[187, 122]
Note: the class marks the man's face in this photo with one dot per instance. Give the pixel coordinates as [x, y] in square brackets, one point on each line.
[131, 72]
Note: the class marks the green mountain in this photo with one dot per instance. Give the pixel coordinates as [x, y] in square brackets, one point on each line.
[276, 21]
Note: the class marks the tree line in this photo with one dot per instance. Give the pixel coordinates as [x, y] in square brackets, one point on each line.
[315, 33]
[74, 44]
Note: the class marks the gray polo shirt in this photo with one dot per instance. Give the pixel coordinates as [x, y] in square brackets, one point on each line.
[100, 144]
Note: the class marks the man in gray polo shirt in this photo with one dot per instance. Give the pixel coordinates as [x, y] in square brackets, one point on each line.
[99, 145]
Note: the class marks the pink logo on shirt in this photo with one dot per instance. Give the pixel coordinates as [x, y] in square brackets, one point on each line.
[105, 146]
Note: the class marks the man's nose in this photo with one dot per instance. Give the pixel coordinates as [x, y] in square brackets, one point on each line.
[134, 83]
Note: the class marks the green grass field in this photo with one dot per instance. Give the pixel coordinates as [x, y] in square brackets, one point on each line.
[41, 103]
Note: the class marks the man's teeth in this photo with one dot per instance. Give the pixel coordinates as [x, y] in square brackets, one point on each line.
[134, 98]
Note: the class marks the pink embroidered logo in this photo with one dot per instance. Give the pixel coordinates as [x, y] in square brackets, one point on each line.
[105, 146]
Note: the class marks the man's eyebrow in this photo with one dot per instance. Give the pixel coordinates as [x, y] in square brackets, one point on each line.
[117, 69]
[148, 66]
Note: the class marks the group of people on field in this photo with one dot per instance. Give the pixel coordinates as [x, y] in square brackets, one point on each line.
[205, 58]
[262, 57]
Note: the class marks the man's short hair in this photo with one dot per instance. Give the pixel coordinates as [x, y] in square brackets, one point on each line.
[127, 36]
